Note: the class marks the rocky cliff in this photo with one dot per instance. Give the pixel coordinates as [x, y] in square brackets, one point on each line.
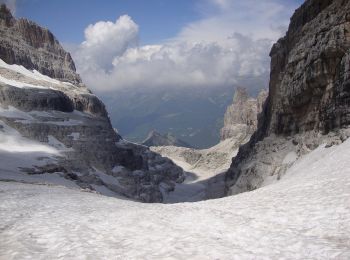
[156, 139]
[44, 103]
[26, 43]
[207, 167]
[241, 117]
[309, 95]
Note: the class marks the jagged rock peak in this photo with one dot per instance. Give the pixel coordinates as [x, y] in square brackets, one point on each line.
[309, 71]
[261, 100]
[154, 138]
[5, 15]
[69, 120]
[241, 116]
[240, 95]
[309, 95]
[305, 13]
[25, 43]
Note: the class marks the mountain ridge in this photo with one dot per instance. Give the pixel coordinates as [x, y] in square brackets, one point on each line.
[52, 109]
[26, 43]
[241, 117]
[154, 138]
[309, 93]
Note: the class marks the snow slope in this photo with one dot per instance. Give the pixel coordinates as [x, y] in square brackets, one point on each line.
[20, 77]
[18, 152]
[204, 168]
[306, 215]
[206, 162]
[74, 140]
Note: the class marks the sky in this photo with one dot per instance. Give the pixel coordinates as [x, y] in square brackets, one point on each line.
[68, 19]
[157, 44]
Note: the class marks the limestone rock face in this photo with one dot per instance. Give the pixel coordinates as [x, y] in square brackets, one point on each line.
[310, 71]
[156, 139]
[241, 117]
[26, 43]
[309, 93]
[55, 109]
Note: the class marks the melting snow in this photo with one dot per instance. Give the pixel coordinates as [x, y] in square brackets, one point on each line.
[35, 116]
[29, 73]
[12, 141]
[204, 170]
[290, 158]
[18, 152]
[19, 84]
[304, 216]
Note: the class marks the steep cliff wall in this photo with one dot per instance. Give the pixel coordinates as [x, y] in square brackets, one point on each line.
[43, 100]
[309, 95]
[26, 43]
[309, 71]
[241, 118]
[156, 139]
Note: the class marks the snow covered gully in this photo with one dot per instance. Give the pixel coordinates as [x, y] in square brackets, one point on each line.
[304, 216]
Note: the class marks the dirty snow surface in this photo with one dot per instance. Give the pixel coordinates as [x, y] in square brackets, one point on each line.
[204, 169]
[304, 216]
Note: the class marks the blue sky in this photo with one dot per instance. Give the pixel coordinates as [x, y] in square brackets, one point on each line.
[158, 19]
[67, 19]
[126, 44]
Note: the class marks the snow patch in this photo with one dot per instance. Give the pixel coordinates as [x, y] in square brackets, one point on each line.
[291, 157]
[12, 141]
[303, 216]
[34, 74]
[12, 112]
[19, 84]
[52, 141]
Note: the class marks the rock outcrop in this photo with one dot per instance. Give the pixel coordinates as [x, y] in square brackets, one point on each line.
[53, 107]
[207, 167]
[26, 43]
[241, 118]
[156, 139]
[309, 95]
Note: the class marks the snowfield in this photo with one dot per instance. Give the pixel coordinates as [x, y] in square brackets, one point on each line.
[204, 169]
[20, 77]
[304, 216]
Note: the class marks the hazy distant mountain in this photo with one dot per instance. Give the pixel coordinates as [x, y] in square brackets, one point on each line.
[156, 139]
[53, 130]
[192, 115]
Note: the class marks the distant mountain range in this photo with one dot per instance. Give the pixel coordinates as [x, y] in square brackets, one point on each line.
[192, 115]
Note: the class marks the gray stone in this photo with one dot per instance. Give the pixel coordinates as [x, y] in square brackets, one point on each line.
[309, 93]
[241, 118]
[73, 117]
[26, 43]
[156, 139]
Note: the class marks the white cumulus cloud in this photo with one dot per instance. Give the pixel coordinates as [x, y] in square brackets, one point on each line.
[106, 40]
[226, 47]
[184, 64]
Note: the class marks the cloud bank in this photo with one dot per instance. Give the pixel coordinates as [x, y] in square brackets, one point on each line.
[104, 41]
[229, 44]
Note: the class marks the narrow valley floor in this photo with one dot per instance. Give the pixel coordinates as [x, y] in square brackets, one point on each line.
[304, 216]
[205, 170]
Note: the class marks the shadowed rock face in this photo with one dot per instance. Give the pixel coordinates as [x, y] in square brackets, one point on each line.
[309, 87]
[24, 42]
[70, 116]
[310, 71]
[242, 115]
